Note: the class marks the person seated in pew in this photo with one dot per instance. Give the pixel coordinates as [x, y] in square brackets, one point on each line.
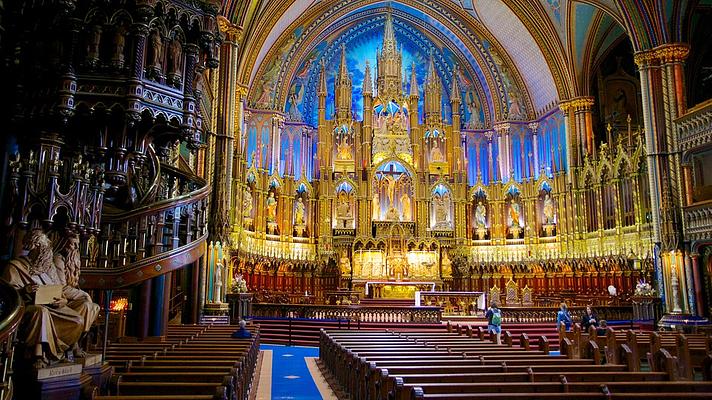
[494, 321]
[589, 319]
[601, 330]
[563, 318]
[242, 333]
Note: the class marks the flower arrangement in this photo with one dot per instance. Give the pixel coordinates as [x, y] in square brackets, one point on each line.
[643, 288]
[238, 285]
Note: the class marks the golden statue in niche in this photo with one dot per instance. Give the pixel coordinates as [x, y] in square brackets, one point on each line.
[271, 208]
[435, 154]
[406, 207]
[375, 207]
[344, 150]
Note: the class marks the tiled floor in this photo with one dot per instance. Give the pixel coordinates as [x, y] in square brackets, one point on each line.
[290, 373]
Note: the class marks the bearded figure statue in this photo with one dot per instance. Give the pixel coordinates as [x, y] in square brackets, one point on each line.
[49, 331]
[68, 264]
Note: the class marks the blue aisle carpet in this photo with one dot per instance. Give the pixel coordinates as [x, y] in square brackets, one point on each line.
[290, 377]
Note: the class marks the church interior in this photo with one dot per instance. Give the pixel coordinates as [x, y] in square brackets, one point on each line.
[364, 199]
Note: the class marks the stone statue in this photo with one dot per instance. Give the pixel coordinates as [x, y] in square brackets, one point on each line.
[271, 208]
[156, 53]
[299, 210]
[119, 43]
[375, 207]
[217, 297]
[441, 212]
[68, 264]
[514, 211]
[246, 203]
[93, 41]
[548, 210]
[49, 331]
[343, 210]
[345, 265]
[435, 154]
[175, 53]
[480, 215]
[406, 207]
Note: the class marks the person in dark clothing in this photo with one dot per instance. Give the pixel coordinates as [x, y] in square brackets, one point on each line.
[589, 319]
[242, 333]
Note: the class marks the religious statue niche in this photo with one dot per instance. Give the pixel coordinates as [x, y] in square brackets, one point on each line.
[547, 210]
[344, 206]
[435, 145]
[345, 266]
[513, 209]
[92, 39]
[271, 209]
[396, 259]
[154, 54]
[344, 142]
[619, 94]
[248, 202]
[391, 132]
[480, 214]
[474, 111]
[118, 41]
[441, 208]
[174, 58]
[300, 211]
[393, 193]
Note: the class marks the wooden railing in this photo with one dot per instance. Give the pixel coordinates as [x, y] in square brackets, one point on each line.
[425, 315]
[548, 314]
[153, 239]
[11, 311]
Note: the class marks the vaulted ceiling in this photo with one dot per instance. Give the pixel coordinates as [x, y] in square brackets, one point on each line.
[547, 49]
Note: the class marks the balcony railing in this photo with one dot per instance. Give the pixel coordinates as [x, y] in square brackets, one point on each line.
[424, 315]
[153, 239]
[698, 221]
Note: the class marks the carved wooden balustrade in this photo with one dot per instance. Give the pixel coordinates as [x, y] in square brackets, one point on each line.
[425, 315]
[153, 239]
[548, 314]
[11, 312]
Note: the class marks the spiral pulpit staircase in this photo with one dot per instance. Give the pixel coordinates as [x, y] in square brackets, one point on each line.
[167, 231]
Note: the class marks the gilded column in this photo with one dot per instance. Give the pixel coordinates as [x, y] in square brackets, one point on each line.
[225, 133]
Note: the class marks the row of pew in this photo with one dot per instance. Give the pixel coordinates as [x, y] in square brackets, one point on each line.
[692, 351]
[466, 363]
[196, 362]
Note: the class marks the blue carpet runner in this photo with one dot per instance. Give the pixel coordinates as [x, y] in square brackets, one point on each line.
[291, 379]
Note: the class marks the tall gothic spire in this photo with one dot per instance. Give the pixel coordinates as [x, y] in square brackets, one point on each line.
[322, 81]
[343, 68]
[342, 89]
[413, 82]
[389, 36]
[455, 89]
[432, 94]
[389, 64]
[367, 85]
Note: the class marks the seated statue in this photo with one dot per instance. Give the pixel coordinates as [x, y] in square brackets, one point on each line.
[49, 331]
[68, 264]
